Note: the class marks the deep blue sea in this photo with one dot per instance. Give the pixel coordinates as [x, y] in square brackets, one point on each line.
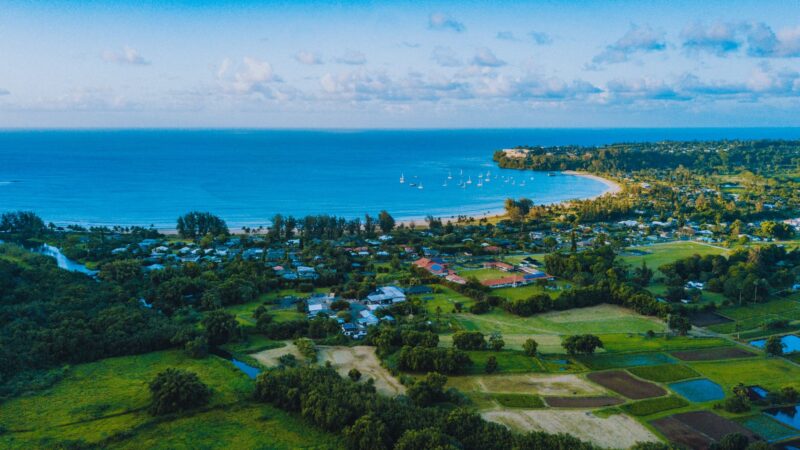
[144, 177]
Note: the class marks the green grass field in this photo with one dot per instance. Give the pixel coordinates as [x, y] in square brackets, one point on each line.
[108, 399]
[660, 254]
[518, 400]
[654, 405]
[666, 373]
[770, 373]
[508, 361]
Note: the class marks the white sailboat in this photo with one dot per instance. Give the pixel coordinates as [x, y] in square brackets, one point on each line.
[449, 175]
[420, 186]
[469, 180]
[402, 179]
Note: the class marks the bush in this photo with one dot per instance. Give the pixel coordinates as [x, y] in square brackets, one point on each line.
[176, 390]
[736, 404]
[469, 340]
[491, 365]
[197, 348]
[423, 359]
[354, 374]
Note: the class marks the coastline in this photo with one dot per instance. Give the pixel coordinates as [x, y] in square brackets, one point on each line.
[612, 188]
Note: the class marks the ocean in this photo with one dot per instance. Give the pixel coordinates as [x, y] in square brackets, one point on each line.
[150, 177]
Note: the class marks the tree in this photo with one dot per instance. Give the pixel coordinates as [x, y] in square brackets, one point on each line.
[23, 224]
[491, 364]
[428, 390]
[496, 342]
[425, 439]
[642, 275]
[197, 224]
[176, 390]
[354, 374]
[469, 340]
[367, 433]
[530, 347]
[385, 222]
[220, 327]
[121, 271]
[679, 324]
[583, 344]
[774, 346]
[196, 348]
[732, 441]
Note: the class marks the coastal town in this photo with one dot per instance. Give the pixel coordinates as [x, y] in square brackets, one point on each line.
[664, 312]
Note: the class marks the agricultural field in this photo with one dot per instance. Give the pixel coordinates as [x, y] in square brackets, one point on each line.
[107, 399]
[363, 358]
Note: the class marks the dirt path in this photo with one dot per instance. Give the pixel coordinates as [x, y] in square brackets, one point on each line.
[362, 358]
[615, 431]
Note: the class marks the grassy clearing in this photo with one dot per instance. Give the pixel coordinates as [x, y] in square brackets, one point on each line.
[98, 400]
[595, 320]
[770, 373]
[445, 299]
[508, 361]
[654, 405]
[665, 373]
[519, 401]
[621, 343]
[533, 383]
[753, 316]
[660, 254]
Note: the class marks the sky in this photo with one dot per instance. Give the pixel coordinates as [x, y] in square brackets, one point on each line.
[399, 64]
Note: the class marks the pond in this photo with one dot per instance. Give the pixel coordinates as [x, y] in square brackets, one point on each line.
[789, 415]
[698, 391]
[791, 343]
[250, 371]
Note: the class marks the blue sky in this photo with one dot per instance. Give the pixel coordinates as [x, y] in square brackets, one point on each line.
[399, 64]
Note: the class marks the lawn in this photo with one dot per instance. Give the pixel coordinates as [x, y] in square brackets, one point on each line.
[98, 400]
[445, 299]
[660, 254]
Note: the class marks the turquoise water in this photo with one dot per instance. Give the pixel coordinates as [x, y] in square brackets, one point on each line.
[698, 391]
[791, 343]
[151, 176]
[789, 415]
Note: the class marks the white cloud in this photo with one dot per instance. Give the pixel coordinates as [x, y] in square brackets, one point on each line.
[441, 21]
[128, 56]
[540, 37]
[759, 39]
[636, 40]
[485, 58]
[506, 36]
[4, 92]
[252, 77]
[352, 58]
[445, 57]
[308, 58]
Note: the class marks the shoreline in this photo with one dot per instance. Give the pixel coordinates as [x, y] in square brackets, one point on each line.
[612, 188]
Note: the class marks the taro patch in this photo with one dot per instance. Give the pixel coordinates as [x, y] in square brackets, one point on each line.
[699, 391]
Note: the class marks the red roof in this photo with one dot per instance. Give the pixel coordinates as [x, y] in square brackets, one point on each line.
[506, 280]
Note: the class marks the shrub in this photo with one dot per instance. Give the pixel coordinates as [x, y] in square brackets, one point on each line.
[177, 390]
[469, 340]
[354, 374]
[530, 347]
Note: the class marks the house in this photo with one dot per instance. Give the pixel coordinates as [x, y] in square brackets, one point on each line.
[306, 273]
[433, 265]
[385, 296]
[533, 274]
[499, 265]
[512, 281]
[530, 262]
[367, 318]
[453, 278]
[695, 285]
